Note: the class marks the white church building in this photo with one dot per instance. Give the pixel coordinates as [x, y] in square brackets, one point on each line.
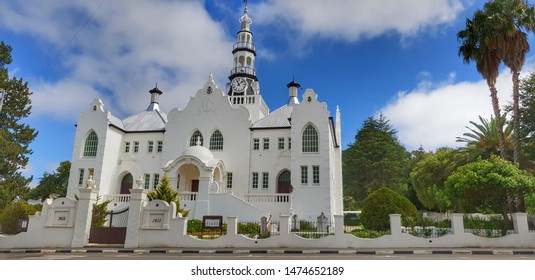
[226, 153]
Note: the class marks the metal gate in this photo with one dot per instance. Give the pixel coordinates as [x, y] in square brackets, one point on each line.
[112, 230]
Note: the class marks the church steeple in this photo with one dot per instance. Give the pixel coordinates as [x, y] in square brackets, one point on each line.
[154, 99]
[243, 80]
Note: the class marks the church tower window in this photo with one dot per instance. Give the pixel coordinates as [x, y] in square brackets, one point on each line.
[216, 141]
[310, 140]
[91, 144]
[197, 136]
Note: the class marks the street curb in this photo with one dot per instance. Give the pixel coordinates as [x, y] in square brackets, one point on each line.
[281, 251]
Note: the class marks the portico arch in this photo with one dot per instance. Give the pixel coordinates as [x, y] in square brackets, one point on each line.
[195, 166]
[189, 177]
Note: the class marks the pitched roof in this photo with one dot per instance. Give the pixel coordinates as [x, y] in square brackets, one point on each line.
[276, 119]
[145, 121]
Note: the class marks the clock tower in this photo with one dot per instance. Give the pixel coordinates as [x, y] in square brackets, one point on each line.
[243, 80]
[243, 88]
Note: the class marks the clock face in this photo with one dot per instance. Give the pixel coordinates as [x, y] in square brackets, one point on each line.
[239, 85]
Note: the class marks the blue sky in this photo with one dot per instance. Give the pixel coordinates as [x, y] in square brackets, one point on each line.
[368, 57]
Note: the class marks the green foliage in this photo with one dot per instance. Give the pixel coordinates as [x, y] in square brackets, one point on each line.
[490, 226]
[366, 233]
[530, 203]
[99, 216]
[430, 173]
[350, 204]
[15, 211]
[249, 229]
[492, 222]
[382, 202]
[15, 136]
[351, 219]
[483, 139]
[194, 227]
[166, 193]
[374, 160]
[527, 122]
[487, 185]
[53, 184]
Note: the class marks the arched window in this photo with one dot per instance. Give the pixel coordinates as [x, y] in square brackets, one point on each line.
[216, 141]
[249, 61]
[91, 144]
[310, 140]
[284, 184]
[197, 136]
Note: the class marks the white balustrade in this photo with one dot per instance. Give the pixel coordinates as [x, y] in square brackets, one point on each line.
[267, 198]
[188, 196]
[116, 198]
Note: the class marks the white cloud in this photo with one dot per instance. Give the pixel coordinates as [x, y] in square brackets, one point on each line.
[433, 116]
[351, 20]
[121, 53]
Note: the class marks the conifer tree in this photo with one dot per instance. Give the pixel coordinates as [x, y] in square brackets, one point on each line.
[15, 135]
[164, 192]
[376, 159]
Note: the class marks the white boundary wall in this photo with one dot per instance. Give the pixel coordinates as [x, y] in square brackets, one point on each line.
[64, 223]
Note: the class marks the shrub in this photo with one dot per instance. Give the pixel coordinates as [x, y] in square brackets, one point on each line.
[15, 211]
[352, 219]
[100, 213]
[380, 204]
[365, 233]
[248, 228]
[166, 193]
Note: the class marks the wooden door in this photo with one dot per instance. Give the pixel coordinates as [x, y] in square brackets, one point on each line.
[195, 185]
[127, 183]
[284, 183]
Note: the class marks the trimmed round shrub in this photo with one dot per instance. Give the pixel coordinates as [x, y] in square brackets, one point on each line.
[381, 203]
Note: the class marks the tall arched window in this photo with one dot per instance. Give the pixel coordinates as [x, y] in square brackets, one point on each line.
[91, 144]
[197, 136]
[216, 141]
[310, 140]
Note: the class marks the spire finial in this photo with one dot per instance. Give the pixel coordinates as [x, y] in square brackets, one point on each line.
[211, 77]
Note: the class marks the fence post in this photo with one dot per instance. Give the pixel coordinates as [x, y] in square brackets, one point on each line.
[84, 212]
[338, 224]
[182, 226]
[232, 225]
[395, 224]
[520, 222]
[284, 229]
[137, 199]
[457, 223]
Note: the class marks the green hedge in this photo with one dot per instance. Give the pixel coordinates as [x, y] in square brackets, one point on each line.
[381, 203]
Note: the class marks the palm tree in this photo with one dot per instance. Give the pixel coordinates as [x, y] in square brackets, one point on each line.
[510, 20]
[482, 140]
[478, 44]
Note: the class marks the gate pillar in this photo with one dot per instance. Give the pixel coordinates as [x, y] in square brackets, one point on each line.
[137, 199]
[86, 198]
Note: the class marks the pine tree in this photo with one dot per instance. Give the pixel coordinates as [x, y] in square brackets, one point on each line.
[15, 135]
[376, 159]
[164, 192]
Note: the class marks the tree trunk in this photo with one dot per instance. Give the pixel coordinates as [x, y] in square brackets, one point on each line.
[498, 116]
[516, 118]
[519, 199]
